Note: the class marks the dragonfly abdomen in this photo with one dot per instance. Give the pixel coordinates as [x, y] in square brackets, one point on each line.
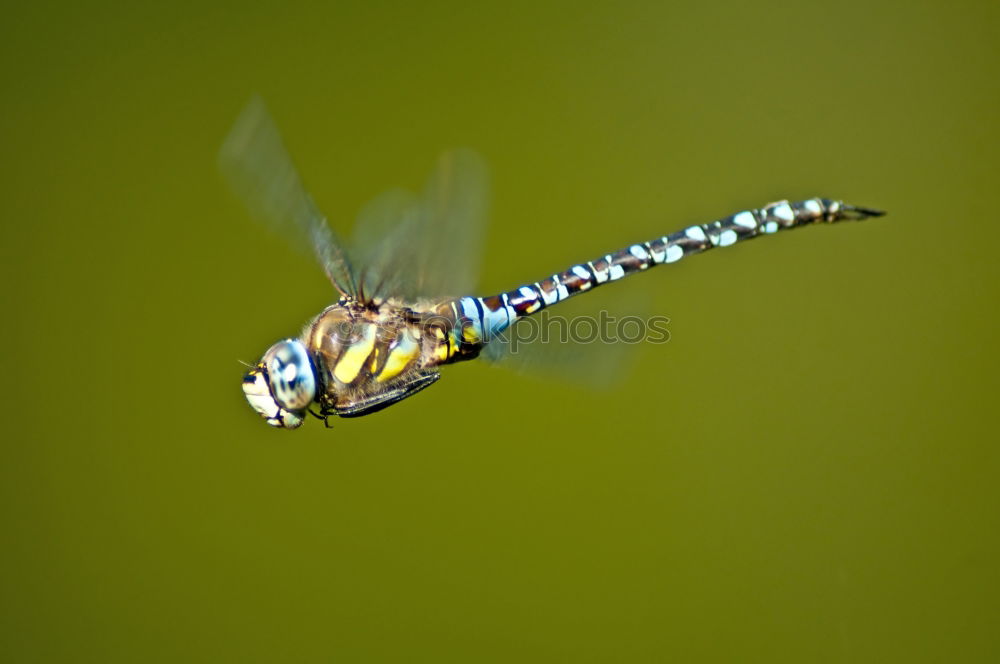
[497, 312]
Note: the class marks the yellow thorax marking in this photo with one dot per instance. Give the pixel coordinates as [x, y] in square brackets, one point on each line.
[470, 334]
[441, 352]
[354, 356]
[399, 357]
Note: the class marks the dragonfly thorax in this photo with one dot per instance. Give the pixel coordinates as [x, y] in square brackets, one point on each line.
[364, 353]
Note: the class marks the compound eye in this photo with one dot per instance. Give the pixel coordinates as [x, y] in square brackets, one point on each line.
[293, 383]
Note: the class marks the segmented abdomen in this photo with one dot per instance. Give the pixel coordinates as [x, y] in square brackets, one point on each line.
[495, 313]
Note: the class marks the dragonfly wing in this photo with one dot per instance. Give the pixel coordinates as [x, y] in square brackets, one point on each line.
[257, 166]
[427, 245]
[383, 244]
[591, 342]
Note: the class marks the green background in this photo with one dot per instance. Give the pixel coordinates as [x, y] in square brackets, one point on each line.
[806, 472]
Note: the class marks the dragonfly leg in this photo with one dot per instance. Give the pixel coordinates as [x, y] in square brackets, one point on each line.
[322, 415]
[375, 402]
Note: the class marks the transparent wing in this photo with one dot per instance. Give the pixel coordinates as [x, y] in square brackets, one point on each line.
[257, 166]
[592, 340]
[428, 245]
[384, 229]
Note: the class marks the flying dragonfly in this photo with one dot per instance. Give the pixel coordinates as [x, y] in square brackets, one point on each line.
[392, 329]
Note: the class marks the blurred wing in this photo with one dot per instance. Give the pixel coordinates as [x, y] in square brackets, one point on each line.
[257, 166]
[428, 245]
[590, 341]
[383, 245]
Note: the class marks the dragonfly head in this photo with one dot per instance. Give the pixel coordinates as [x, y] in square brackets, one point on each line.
[282, 385]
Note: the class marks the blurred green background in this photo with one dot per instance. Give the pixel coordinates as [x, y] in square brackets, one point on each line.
[806, 472]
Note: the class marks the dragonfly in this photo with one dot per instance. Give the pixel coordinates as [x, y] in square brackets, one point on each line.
[392, 328]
